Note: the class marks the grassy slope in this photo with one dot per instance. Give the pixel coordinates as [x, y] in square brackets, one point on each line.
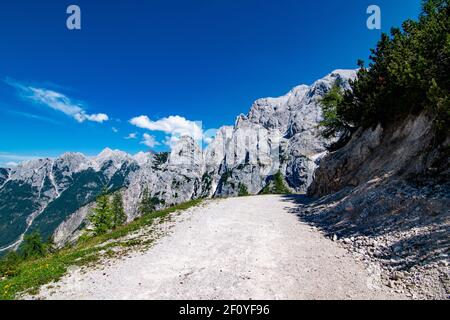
[30, 275]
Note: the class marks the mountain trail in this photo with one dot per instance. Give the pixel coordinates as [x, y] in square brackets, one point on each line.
[236, 248]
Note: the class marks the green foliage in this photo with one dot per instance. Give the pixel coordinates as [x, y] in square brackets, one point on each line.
[280, 186]
[148, 204]
[226, 175]
[206, 184]
[243, 191]
[409, 72]
[102, 217]
[86, 236]
[276, 185]
[9, 263]
[33, 246]
[27, 275]
[118, 212]
[333, 122]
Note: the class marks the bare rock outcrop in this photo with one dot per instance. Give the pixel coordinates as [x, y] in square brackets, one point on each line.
[386, 196]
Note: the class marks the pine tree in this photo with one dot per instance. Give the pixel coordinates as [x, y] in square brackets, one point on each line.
[243, 190]
[102, 217]
[332, 123]
[33, 246]
[408, 73]
[118, 212]
[148, 204]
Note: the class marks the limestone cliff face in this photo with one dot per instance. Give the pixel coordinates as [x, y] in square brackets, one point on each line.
[278, 134]
[405, 150]
[387, 194]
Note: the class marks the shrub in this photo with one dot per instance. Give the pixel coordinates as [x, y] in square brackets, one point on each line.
[148, 204]
[9, 264]
[276, 185]
[243, 191]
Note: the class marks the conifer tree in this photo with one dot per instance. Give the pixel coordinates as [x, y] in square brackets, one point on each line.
[102, 216]
[148, 204]
[33, 246]
[118, 212]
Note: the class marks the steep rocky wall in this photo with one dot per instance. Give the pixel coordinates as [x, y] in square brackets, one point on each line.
[404, 149]
[386, 197]
[277, 135]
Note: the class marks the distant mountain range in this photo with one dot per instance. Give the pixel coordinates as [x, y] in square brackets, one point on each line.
[280, 134]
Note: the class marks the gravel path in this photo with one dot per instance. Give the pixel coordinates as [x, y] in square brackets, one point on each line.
[239, 248]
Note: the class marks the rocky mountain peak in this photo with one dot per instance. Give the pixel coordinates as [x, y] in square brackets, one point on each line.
[109, 154]
[110, 160]
[71, 162]
[32, 172]
[143, 158]
[186, 154]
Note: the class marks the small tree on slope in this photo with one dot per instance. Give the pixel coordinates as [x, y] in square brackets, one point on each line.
[33, 246]
[118, 212]
[102, 216]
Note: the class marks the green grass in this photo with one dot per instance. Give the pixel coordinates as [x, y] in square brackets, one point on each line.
[30, 275]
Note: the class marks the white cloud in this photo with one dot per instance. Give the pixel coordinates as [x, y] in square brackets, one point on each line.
[171, 140]
[149, 140]
[131, 136]
[11, 164]
[114, 129]
[209, 135]
[173, 125]
[99, 117]
[208, 140]
[57, 101]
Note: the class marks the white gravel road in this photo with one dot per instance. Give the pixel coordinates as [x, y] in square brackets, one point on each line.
[238, 248]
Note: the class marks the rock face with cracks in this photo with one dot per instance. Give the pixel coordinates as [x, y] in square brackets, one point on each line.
[386, 195]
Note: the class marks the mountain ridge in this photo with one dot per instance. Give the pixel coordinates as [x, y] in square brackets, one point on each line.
[278, 134]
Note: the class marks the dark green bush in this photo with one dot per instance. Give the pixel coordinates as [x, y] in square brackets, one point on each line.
[276, 185]
[243, 190]
[33, 246]
[148, 204]
[9, 264]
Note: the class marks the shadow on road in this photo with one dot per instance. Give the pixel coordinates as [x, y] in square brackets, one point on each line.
[417, 230]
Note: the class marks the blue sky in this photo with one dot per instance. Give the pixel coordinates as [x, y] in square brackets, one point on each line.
[164, 65]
